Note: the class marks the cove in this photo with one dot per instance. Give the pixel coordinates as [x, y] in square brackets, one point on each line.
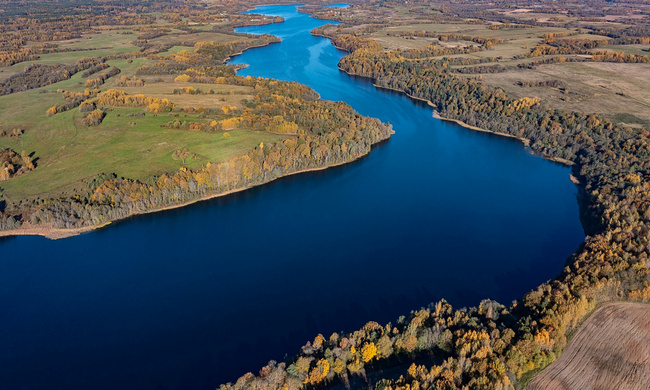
[193, 297]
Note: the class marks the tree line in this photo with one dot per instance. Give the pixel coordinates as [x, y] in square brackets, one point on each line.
[40, 75]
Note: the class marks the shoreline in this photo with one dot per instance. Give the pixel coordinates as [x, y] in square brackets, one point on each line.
[53, 233]
[525, 141]
[230, 57]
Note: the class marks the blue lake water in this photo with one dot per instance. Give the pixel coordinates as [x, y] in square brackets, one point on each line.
[192, 297]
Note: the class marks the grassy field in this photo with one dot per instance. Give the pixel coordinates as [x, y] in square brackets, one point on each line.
[103, 43]
[616, 90]
[111, 41]
[517, 41]
[69, 154]
[175, 49]
[643, 50]
[224, 94]
[198, 37]
[136, 147]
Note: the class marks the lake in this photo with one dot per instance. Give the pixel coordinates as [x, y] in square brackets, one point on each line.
[193, 297]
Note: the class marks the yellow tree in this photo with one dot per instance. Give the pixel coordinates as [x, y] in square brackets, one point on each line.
[368, 352]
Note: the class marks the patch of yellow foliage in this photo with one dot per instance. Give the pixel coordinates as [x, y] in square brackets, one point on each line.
[368, 352]
[230, 123]
[182, 78]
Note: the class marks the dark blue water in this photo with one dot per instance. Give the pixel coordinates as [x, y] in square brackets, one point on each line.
[190, 298]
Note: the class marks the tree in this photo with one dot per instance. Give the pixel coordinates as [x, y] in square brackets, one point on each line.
[368, 352]
[182, 155]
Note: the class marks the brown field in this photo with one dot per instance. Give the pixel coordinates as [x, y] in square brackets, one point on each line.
[528, 14]
[610, 351]
[517, 42]
[617, 90]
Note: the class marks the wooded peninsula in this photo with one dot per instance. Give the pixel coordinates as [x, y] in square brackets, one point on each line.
[215, 132]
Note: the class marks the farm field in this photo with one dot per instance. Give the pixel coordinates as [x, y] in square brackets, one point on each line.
[610, 351]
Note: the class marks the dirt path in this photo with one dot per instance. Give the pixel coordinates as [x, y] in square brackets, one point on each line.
[610, 351]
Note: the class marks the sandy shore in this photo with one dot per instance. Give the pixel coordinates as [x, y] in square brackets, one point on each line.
[48, 231]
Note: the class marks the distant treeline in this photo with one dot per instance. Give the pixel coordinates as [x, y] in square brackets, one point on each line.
[39, 75]
[543, 84]
[449, 37]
